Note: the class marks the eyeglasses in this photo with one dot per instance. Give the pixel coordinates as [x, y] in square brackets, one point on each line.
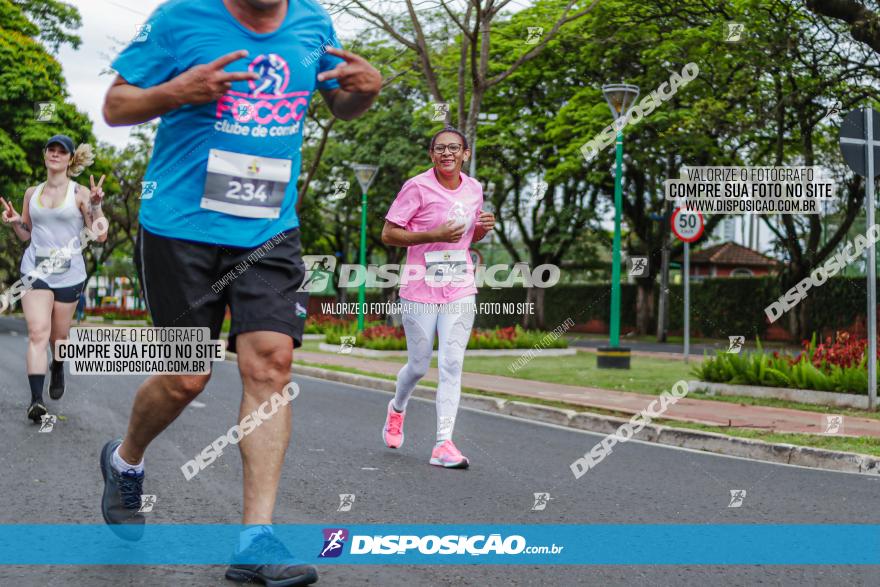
[453, 148]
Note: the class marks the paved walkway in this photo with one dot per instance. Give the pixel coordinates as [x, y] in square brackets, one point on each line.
[710, 412]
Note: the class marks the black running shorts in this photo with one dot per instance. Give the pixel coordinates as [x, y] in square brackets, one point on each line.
[66, 295]
[190, 284]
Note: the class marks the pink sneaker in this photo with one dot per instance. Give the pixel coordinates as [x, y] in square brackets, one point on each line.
[392, 434]
[446, 455]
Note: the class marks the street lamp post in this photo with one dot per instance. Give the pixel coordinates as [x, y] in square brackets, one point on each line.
[365, 175]
[482, 118]
[620, 98]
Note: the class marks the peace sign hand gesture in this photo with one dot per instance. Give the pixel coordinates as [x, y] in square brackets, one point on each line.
[208, 82]
[355, 74]
[96, 195]
[10, 216]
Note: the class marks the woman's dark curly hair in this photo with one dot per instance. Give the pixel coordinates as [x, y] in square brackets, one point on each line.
[453, 130]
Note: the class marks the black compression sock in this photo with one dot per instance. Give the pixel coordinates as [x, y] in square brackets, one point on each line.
[36, 382]
[57, 366]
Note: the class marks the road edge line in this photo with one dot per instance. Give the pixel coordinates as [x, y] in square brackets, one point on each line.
[711, 442]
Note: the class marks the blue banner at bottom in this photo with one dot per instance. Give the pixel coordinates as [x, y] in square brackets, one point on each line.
[492, 544]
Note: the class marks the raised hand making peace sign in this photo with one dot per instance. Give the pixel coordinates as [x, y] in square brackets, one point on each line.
[10, 216]
[355, 74]
[209, 82]
[96, 195]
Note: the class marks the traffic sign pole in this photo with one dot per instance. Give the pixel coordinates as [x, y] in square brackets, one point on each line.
[687, 227]
[859, 145]
[687, 301]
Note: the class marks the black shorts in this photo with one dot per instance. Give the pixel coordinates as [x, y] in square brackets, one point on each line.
[190, 284]
[64, 295]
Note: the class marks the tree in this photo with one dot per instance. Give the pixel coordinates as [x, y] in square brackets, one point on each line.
[864, 24]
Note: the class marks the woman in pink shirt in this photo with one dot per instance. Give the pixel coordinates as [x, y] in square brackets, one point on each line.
[436, 215]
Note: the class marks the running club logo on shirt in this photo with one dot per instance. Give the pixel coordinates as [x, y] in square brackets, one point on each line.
[462, 212]
[266, 103]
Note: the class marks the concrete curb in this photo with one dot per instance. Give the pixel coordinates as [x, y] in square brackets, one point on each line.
[806, 396]
[681, 437]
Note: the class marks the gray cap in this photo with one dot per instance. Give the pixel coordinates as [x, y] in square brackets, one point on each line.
[63, 140]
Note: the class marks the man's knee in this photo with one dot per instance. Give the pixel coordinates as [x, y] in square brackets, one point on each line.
[271, 366]
[187, 387]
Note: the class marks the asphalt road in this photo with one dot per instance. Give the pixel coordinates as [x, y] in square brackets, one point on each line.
[336, 448]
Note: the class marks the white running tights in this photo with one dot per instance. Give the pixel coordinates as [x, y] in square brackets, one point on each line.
[452, 322]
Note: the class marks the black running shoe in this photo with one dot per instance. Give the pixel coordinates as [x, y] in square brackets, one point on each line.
[56, 380]
[285, 571]
[122, 497]
[36, 411]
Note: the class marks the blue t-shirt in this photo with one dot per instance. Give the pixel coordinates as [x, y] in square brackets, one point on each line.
[225, 172]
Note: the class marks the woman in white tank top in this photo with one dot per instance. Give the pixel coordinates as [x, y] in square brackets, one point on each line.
[53, 215]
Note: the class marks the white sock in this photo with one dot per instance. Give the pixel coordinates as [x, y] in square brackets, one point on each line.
[247, 536]
[121, 465]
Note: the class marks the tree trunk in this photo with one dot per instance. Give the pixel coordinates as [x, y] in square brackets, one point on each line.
[644, 307]
[535, 295]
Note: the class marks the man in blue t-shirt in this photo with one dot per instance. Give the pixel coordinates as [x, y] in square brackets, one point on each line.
[231, 81]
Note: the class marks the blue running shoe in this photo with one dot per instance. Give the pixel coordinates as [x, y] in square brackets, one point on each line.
[122, 497]
[284, 570]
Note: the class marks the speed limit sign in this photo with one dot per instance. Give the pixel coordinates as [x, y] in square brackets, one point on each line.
[687, 226]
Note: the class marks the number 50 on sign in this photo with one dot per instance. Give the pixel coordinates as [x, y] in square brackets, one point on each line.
[687, 226]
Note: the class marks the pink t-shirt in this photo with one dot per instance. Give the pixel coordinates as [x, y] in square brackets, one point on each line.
[437, 273]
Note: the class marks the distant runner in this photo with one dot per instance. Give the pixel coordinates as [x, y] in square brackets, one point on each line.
[437, 215]
[53, 216]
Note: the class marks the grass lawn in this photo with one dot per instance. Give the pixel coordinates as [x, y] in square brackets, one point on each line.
[648, 375]
[862, 445]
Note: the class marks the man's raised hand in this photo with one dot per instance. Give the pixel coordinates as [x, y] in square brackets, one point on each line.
[355, 74]
[209, 82]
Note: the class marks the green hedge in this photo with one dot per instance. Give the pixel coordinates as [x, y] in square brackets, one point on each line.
[719, 307]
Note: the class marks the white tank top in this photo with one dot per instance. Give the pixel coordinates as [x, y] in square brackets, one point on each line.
[51, 230]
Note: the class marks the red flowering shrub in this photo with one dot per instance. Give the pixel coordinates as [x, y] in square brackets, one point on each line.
[844, 351]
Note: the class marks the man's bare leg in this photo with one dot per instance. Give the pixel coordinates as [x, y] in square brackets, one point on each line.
[264, 362]
[160, 399]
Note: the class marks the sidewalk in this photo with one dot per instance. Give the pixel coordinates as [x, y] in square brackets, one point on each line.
[708, 412]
